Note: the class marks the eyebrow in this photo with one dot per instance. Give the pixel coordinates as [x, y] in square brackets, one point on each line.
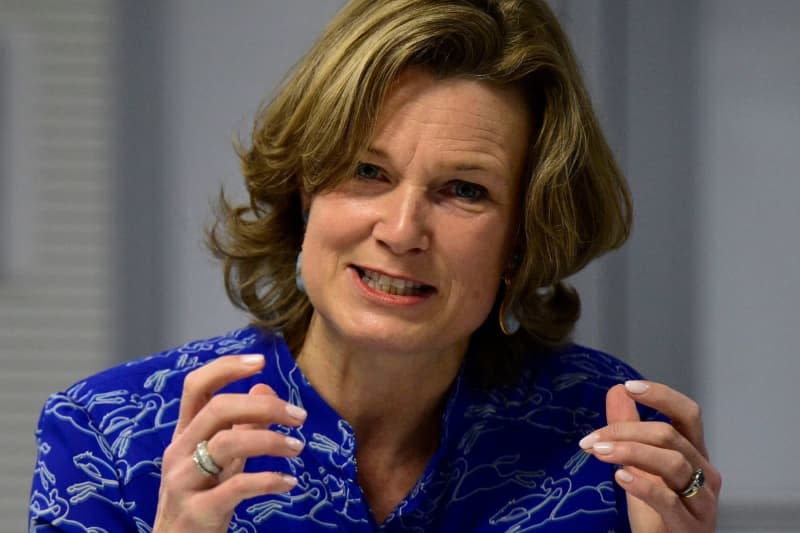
[461, 167]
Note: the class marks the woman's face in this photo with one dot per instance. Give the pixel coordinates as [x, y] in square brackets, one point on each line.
[408, 254]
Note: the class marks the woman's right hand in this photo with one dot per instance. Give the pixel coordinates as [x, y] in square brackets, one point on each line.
[236, 427]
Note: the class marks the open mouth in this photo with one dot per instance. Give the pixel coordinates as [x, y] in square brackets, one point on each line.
[399, 287]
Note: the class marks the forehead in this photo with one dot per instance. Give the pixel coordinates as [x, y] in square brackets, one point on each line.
[472, 100]
[462, 118]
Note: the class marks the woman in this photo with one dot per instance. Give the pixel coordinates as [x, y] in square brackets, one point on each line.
[418, 190]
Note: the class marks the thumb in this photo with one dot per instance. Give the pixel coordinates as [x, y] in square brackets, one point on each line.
[620, 407]
[261, 388]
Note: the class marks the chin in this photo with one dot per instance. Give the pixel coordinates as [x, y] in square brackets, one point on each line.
[403, 338]
[393, 341]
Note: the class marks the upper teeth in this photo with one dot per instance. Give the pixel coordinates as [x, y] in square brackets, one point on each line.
[388, 281]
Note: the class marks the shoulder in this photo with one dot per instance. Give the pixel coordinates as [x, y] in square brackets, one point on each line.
[522, 440]
[562, 391]
[571, 372]
[100, 441]
[139, 397]
[163, 371]
[577, 368]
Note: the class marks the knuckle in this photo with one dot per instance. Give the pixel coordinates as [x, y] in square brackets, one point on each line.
[192, 382]
[666, 435]
[234, 483]
[676, 462]
[238, 483]
[616, 430]
[215, 407]
[646, 491]
[169, 456]
[170, 479]
[194, 388]
[224, 440]
[694, 412]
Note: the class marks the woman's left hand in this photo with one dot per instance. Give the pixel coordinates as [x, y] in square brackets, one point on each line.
[659, 460]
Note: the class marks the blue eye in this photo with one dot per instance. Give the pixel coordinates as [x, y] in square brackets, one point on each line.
[367, 171]
[470, 192]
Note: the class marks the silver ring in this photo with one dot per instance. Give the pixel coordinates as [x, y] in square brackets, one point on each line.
[695, 484]
[205, 463]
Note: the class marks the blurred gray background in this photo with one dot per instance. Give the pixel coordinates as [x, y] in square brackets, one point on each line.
[116, 120]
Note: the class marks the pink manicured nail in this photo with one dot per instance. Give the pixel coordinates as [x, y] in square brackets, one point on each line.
[636, 387]
[289, 480]
[296, 412]
[587, 441]
[624, 476]
[603, 448]
[294, 444]
[253, 359]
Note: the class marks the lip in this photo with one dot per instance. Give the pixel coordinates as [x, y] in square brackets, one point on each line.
[385, 297]
[396, 276]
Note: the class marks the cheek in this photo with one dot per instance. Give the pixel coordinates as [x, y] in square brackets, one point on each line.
[480, 271]
[334, 229]
[481, 254]
[330, 225]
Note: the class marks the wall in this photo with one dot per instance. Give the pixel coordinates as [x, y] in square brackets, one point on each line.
[55, 219]
[195, 72]
[749, 267]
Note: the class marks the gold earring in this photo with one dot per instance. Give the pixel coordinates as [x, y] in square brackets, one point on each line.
[509, 323]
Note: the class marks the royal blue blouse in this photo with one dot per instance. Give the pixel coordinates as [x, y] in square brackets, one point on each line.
[508, 458]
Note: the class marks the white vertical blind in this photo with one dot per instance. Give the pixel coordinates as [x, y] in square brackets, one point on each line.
[54, 309]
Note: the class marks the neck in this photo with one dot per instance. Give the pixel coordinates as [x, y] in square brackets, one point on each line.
[392, 399]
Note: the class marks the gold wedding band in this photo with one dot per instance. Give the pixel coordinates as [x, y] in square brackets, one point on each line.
[695, 484]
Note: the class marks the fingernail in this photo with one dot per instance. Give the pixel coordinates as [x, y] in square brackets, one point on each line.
[624, 475]
[636, 387]
[603, 448]
[289, 480]
[296, 412]
[253, 359]
[587, 441]
[295, 444]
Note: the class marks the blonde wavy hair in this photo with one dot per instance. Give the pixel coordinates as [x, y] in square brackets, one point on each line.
[575, 204]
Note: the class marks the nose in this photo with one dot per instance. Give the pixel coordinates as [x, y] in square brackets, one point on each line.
[402, 225]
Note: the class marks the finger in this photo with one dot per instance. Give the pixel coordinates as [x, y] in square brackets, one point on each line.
[619, 406]
[658, 434]
[236, 465]
[230, 449]
[657, 496]
[230, 444]
[681, 513]
[223, 499]
[200, 385]
[682, 411]
[224, 411]
[671, 466]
